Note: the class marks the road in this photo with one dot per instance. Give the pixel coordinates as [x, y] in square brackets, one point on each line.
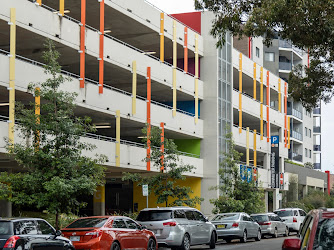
[267, 243]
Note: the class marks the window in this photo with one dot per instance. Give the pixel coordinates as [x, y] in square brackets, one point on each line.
[119, 223]
[269, 56]
[305, 131]
[25, 227]
[199, 216]
[310, 134]
[131, 224]
[190, 215]
[302, 213]
[310, 151]
[257, 52]
[88, 222]
[45, 228]
[154, 215]
[179, 214]
[306, 152]
[324, 236]
[5, 227]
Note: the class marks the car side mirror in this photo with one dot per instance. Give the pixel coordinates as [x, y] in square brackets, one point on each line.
[206, 219]
[143, 227]
[291, 244]
[58, 233]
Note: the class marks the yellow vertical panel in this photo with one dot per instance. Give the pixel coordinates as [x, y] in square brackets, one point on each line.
[62, 7]
[247, 146]
[134, 86]
[288, 132]
[99, 195]
[196, 78]
[254, 148]
[162, 37]
[240, 93]
[118, 138]
[254, 81]
[12, 75]
[174, 67]
[279, 96]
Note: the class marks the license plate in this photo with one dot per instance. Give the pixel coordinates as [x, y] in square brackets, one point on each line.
[221, 226]
[75, 238]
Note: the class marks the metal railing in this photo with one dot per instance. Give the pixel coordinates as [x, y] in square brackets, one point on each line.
[316, 147]
[285, 66]
[284, 43]
[245, 129]
[247, 95]
[317, 129]
[296, 135]
[317, 111]
[96, 83]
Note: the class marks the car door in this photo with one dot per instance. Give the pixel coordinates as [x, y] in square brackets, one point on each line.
[135, 239]
[302, 215]
[45, 230]
[253, 225]
[202, 228]
[192, 226]
[120, 230]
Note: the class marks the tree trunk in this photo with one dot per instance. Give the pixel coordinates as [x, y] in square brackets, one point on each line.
[57, 221]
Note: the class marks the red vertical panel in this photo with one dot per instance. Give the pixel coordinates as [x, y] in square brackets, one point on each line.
[268, 93]
[162, 147]
[185, 50]
[101, 60]
[285, 114]
[148, 114]
[82, 43]
[249, 47]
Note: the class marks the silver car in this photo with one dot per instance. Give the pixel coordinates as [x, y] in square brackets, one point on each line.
[178, 227]
[271, 224]
[236, 226]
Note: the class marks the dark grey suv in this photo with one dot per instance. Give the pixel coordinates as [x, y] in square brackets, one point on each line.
[32, 234]
[178, 227]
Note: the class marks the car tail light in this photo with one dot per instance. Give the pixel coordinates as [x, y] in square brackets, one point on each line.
[94, 234]
[169, 224]
[265, 223]
[235, 224]
[294, 219]
[10, 243]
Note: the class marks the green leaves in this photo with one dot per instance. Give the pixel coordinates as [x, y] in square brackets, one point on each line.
[308, 24]
[55, 171]
[165, 186]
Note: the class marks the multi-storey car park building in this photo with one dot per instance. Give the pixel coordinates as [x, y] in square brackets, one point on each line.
[133, 64]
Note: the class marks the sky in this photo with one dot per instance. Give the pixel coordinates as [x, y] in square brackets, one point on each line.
[327, 118]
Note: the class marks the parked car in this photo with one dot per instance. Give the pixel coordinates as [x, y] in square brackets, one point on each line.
[293, 217]
[317, 232]
[236, 226]
[109, 233]
[271, 224]
[31, 233]
[179, 227]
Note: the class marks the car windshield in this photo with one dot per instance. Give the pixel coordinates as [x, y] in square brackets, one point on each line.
[221, 217]
[5, 228]
[324, 235]
[260, 218]
[154, 215]
[88, 222]
[284, 213]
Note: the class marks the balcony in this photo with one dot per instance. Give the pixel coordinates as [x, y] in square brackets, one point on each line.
[285, 66]
[316, 147]
[295, 156]
[317, 111]
[317, 165]
[296, 135]
[317, 129]
[296, 113]
[284, 43]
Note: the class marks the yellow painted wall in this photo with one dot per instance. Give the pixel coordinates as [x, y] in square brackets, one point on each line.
[193, 182]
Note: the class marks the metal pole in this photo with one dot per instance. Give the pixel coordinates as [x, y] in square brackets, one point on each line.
[146, 201]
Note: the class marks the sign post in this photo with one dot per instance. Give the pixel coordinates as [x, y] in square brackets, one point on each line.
[145, 193]
[274, 161]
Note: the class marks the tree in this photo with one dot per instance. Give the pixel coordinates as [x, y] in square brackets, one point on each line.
[236, 194]
[56, 171]
[307, 24]
[163, 184]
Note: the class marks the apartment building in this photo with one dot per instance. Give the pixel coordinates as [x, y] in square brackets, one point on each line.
[131, 64]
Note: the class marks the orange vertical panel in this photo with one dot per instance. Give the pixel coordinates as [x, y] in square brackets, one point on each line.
[162, 147]
[82, 43]
[185, 50]
[39, 2]
[101, 55]
[268, 94]
[148, 114]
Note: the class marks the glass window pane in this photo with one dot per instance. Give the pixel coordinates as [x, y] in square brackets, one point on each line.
[228, 70]
[224, 70]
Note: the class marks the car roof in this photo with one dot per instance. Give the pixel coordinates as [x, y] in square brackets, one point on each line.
[288, 208]
[168, 208]
[263, 214]
[231, 213]
[19, 219]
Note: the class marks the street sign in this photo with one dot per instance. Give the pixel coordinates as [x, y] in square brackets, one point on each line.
[145, 190]
[279, 196]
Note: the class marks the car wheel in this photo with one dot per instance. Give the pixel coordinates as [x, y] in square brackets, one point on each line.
[152, 245]
[212, 241]
[286, 234]
[244, 237]
[186, 242]
[275, 235]
[115, 246]
[19, 247]
[259, 236]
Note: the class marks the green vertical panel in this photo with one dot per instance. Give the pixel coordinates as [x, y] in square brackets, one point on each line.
[192, 146]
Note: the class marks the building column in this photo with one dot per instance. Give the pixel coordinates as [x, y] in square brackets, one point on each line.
[99, 204]
[266, 161]
[275, 199]
[266, 201]
[305, 191]
[5, 208]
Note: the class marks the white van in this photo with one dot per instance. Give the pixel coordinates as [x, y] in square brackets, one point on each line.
[293, 217]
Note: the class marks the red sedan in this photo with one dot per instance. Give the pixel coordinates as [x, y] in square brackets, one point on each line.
[109, 232]
[316, 233]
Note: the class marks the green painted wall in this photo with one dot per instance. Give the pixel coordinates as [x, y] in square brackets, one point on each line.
[192, 146]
